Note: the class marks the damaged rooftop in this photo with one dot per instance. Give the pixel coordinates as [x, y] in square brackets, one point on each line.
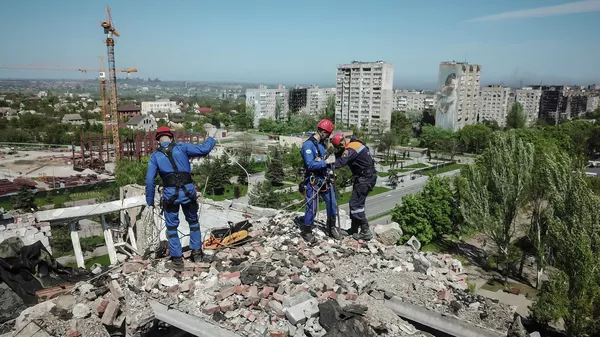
[271, 284]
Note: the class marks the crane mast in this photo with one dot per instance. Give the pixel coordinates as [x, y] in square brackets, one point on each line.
[111, 32]
[105, 115]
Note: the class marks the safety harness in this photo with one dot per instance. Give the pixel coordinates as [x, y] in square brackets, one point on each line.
[175, 179]
[368, 171]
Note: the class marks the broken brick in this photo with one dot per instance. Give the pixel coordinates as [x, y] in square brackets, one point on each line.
[260, 250]
[185, 286]
[102, 306]
[189, 273]
[278, 297]
[210, 309]
[444, 295]
[230, 275]
[73, 333]
[278, 334]
[112, 309]
[351, 296]
[226, 306]
[241, 289]
[266, 291]
[132, 267]
[225, 293]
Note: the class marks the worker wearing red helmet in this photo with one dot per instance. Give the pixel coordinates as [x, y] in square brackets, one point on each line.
[172, 162]
[355, 153]
[316, 181]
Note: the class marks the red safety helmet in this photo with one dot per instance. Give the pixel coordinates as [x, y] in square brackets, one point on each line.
[163, 131]
[325, 124]
[337, 139]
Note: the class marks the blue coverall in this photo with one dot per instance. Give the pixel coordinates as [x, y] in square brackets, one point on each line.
[316, 173]
[160, 164]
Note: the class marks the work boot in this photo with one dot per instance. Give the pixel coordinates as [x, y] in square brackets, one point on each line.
[307, 235]
[365, 233]
[352, 230]
[332, 230]
[197, 255]
[175, 264]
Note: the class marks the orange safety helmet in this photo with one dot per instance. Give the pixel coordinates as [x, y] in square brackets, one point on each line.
[325, 124]
[163, 131]
[337, 139]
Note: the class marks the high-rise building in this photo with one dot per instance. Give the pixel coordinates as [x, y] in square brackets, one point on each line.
[268, 103]
[364, 95]
[317, 99]
[576, 104]
[530, 100]
[493, 105]
[553, 103]
[458, 95]
[593, 103]
[413, 100]
[298, 99]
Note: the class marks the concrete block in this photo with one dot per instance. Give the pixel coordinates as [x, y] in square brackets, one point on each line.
[2, 227]
[292, 301]
[299, 313]
[11, 226]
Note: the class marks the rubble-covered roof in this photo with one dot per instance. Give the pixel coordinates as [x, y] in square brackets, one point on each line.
[276, 285]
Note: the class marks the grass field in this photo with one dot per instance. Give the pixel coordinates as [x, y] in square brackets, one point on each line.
[61, 198]
[228, 193]
[416, 166]
[103, 260]
[442, 169]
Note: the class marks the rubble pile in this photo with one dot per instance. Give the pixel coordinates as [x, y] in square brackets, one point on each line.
[94, 308]
[276, 285]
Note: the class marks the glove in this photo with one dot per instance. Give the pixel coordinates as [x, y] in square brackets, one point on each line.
[330, 160]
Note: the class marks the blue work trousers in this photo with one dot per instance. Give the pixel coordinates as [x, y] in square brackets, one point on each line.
[312, 202]
[190, 211]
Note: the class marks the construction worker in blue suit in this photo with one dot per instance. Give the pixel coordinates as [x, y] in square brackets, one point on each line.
[317, 181]
[172, 162]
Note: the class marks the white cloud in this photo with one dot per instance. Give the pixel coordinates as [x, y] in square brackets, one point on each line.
[568, 8]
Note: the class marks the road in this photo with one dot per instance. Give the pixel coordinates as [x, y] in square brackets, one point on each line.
[384, 202]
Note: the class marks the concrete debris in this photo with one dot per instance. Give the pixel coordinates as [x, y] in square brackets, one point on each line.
[389, 234]
[90, 309]
[414, 243]
[276, 285]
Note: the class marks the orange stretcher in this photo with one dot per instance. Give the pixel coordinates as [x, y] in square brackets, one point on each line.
[225, 237]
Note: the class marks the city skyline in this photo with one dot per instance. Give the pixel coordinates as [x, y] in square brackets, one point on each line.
[270, 42]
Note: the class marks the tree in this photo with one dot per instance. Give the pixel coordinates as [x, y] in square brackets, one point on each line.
[495, 188]
[573, 293]
[437, 198]
[438, 139]
[473, 137]
[293, 161]
[516, 118]
[412, 218]
[263, 195]
[131, 172]
[24, 200]
[401, 126]
[275, 173]
[278, 110]
[329, 111]
[551, 168]
[491, 123]
[387, 141]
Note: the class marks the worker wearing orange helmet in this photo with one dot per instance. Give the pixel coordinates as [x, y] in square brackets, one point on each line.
[355, 153]
[172, 162]
[316, 181]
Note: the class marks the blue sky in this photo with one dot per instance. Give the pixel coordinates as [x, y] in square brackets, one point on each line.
[301, 42]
